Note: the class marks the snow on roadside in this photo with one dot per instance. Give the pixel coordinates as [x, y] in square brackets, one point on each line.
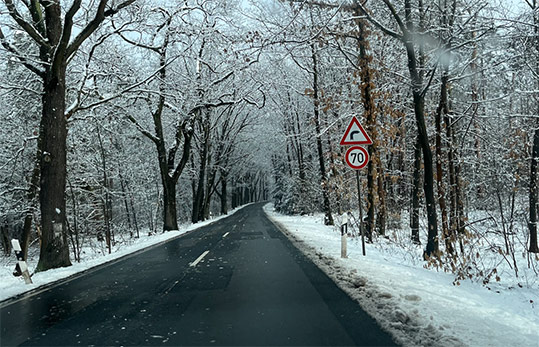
[416, 305]
[11, 286]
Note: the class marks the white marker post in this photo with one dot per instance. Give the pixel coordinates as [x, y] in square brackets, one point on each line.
[22, 263]
[344, 231]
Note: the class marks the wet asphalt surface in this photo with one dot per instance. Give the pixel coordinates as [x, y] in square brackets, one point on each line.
[253, 287]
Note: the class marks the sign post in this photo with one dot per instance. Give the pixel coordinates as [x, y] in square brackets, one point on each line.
[357, 158]
[360, 213]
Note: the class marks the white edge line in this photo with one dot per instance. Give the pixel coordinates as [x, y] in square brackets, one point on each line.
[199, 259]
[225, 235]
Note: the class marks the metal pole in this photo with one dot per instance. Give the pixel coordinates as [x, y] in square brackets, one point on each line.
[360, 213]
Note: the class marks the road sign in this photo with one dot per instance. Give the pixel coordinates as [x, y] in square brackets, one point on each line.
[357, 157]
[355, 134]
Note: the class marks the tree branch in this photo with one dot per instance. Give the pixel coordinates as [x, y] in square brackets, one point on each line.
[144, 132]
[25, 62]
[27, 27]
[379, 25]
[187, 131]
[37, 16]
[60, 52]
[94, 24]
[77, 107]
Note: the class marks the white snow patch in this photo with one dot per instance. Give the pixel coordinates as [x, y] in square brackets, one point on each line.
[419, 307]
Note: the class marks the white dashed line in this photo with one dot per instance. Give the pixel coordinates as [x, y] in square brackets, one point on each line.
[199, 259]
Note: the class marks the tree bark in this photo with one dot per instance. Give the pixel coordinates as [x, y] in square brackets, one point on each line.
[534, 248]
[328, 220]
[198, 198]
[382, 212]
[418, 92]
[223, 195]
[533, 203]
[414, 215]
[31, 198]
[428, 178]
[442, 108]
[369, 110]
[170, 217]
[54, 251]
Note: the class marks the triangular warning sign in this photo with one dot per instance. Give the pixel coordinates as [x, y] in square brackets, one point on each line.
[355, 134]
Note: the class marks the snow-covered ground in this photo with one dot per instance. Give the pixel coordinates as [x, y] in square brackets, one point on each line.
[418, 306]
[11, 286]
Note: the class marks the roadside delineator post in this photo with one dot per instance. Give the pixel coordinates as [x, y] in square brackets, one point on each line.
[22, 263]
[344, 231]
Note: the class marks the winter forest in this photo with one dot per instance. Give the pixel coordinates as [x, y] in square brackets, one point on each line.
[130, 117]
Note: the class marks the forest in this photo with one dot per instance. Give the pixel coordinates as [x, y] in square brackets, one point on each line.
[134, 116]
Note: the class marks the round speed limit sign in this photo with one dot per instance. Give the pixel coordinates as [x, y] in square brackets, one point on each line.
[357, 157]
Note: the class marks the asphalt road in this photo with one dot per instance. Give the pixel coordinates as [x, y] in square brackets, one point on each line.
[252, 287]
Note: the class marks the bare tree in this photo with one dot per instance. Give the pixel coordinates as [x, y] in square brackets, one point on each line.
[408, 33]
[534, 162]
[53, 33]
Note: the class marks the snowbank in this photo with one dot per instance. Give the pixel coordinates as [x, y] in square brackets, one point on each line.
[417, 305]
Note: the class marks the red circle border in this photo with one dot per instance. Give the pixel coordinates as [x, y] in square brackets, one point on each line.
[364, 152]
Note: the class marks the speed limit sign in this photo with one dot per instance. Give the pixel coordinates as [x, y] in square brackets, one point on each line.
[357, 157]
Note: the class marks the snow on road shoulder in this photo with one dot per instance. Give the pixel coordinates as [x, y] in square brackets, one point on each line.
[11, 286]
[416, 305]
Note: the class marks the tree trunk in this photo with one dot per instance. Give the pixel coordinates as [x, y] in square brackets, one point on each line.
[533, 191]
[210, 189]
[328, 220]
[198, 198]
[108, 236]
[370, 114]
[419, 112]
[170, 217]
[414, 215]
[6, 244]
[381, 217]
[233, 194]
[428, 179]
[54, 251]
[442, 108]
[132, 204]
[532, 225]
[168, 183]
[75, 232]
[31, 196]
[123, 185]
[223, 196]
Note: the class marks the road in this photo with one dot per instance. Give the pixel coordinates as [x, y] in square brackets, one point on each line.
[238, 281]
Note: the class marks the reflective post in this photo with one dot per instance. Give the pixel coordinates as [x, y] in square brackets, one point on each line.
[344, 231]
[22, 263]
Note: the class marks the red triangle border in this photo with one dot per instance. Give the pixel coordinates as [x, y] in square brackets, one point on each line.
[368, 140]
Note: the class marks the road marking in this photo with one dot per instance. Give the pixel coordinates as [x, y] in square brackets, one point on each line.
[225, 235]
[199, 259]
